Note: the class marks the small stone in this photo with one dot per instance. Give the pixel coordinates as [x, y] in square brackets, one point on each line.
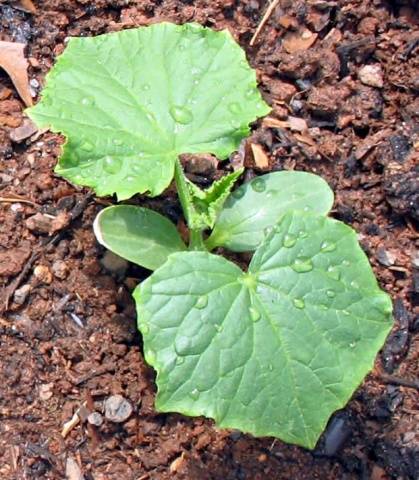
[45, 391]
[385, 257]
[117, 409]
[114, 263]
[72, 470]
[60, 269]
[95, 418]
[43, 274]
[26, 130]
[371, 75]
[21, 294]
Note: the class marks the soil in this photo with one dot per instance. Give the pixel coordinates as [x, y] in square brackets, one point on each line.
[67, 330]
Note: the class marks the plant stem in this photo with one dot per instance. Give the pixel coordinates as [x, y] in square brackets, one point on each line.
[196, 241]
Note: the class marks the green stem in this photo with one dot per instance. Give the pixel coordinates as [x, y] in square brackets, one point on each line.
[196, 241]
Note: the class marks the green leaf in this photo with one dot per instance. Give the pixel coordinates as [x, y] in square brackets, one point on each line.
[202, 207]
[254, 208]
[273, 351]
[137, 234]
[130, 102]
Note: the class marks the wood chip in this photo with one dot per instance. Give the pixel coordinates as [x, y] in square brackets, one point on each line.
[24, 5]
[13, 61]
[177, 464]
[292, 123]
[301, 40]
[260, 157]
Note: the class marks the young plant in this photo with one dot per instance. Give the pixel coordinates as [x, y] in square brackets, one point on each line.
[273, 350]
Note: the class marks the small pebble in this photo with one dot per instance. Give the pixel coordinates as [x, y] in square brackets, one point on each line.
[117, 409]
[60, 269]
[45, 391]
[21, 294]
[43, 274]
[385, 257]
[371, 75]
[95, 418]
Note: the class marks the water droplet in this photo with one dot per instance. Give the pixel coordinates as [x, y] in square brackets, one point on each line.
[306, 208]
[181, 114]
[323, 307]
[234, 107]
[137, 168]
[182, 344]
[238, 193]
[86, 172]
[302, 265]
[235, 123]
[268, 230]
[180, 360]
[331, 293]
[117, 141]
[345, 312]
[327, 246]
[146, 87]
[302, 234]
[270, 367]
[258, 185]
[346, 263]
[194, 394]
[333, 272]
[354, 284]
[218, 327]
[252, 91]
[195, 71]
[150, 356]
[130, 179]
[299, 303]
[352, 345]
[202, 302]
[289, 240]
[87, 146]
[254, 314]
[86, 102]
[144, 328]
[151, 117]
[111, 164]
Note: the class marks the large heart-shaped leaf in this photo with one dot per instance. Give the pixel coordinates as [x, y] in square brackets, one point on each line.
[273, 351]
[130, 102]
[255, 207]
[137, 234]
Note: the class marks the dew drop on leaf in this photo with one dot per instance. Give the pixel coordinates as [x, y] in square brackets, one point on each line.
[111, 164]
[302, 265]
[87, 146]
[218, 327]
[86, 101]
[234, 107]
[354, 284]
[327, 246]
[194, 394]
[331, 293]
[181, 114]
[238, 193]
[268, 230]
[289, 240]
[302, 234]
[144, 328]
[151, 356]
[117, 141]
[258, 185]
[202, 302]
[146, 87]
[345, 312]
[333, 272]
[346, 263]
[180, 360]
[299, 303]
[254, 314]
[182, 345]
[270, 367]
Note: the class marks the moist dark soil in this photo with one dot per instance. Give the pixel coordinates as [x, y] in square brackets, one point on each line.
[68, 339]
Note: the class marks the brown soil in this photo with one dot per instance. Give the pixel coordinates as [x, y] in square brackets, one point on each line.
[68, 336]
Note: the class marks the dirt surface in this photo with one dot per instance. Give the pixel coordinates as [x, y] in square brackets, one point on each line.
[345, 106]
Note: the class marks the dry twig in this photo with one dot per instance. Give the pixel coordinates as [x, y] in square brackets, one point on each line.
[265, 18]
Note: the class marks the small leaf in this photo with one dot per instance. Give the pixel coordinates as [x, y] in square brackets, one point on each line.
[274, 351]
[255, 207]
[137, 234]
[202, 207]
[131, 102]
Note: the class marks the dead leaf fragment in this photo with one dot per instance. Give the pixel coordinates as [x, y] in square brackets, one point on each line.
[24, 5]
[301, 40]
[260, 157]
[293, 123]
[13, 61]
[26, 130]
